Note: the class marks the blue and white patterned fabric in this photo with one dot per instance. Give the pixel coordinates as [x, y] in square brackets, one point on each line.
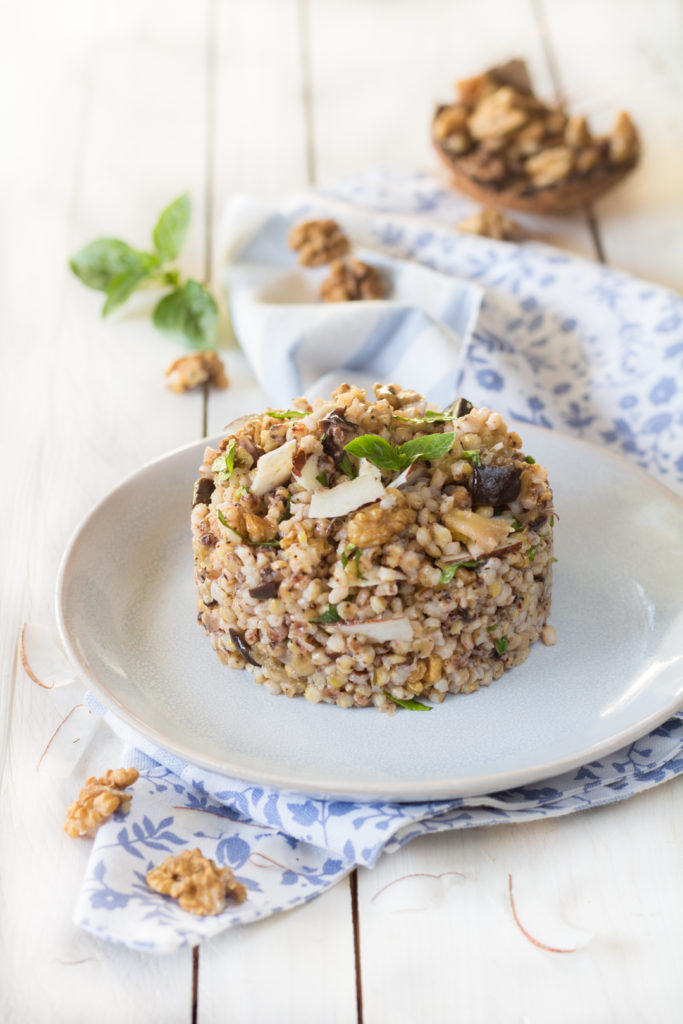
[559, 342]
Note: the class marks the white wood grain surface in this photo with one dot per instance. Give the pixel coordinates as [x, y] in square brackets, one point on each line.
[110, 110]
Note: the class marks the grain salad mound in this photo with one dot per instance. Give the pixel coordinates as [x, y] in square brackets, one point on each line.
[373, 552]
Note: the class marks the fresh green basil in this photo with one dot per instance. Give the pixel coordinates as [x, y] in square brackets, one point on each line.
[395, 459]
[411, 705]
[375, 449]
[501, 645]
[430, 416]
[346, 466]
[286, 414]
[449, 571]
[224, 465]
[189, 310]
[171, 228]
[472, 456]
[322, 479]
[331, 615]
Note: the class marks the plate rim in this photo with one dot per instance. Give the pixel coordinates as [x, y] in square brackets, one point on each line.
[359, 791]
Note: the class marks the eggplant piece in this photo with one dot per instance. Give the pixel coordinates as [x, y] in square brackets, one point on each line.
[495, 485]
[265, 590]
[243, 647]
[339, 432]
[460, 407]
[203, 489]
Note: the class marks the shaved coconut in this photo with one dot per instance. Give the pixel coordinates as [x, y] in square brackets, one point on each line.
[312, 419]
[381, 629]
[328, 503]
[382, 575]
[308, 477]
[273, 468]
[403, 477]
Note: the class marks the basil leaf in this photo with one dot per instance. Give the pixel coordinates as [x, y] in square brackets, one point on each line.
[322, 479]
[122, 287]
[532, 552]
[346, 466]
[411, 705]
[449, 571]
[190, 311]
[359, 574]
[375, 449]
[222, 519]
[331, 615]
[501, 644]
[224, 465]
[99, 263]
[516, 525]
[472, 456]
[530, 459]
[346, 554]
[262, 543]
[286, 414]
[431, 446]
[171, 228]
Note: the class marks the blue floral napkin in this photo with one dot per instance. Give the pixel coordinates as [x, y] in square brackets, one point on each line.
[559, 342]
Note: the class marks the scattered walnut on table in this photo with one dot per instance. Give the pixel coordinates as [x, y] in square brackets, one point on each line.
[490, 223]
[98, 800]
[318, 242]
[199, 885]
[350, 280]
[190, 371]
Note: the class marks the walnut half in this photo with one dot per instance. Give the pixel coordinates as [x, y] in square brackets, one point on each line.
[318, 242]
[350, 280]
[199, 885]
[190, 371]
[98, 800]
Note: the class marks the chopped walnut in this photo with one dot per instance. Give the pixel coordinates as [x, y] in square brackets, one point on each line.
[550, 166]
[350, 280]
[98, 800]
[376, 525]
[318, 242]
[190, 371]
[491, 223]
[199, 885]
[499, 137]
[624, 140]
[259, 529]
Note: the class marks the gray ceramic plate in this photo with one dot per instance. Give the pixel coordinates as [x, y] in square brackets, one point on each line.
[126, 611]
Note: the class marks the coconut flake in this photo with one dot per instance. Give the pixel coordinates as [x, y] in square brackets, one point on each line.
[329, 503]
[273, 468]
[381, 629]
[308, 477]
[374, 579]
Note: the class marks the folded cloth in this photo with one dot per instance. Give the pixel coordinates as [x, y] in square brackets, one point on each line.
[287, 848]
[296, 343]
[559, 342]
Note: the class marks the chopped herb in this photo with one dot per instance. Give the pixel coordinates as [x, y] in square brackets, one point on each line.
[501, 644]
[491, 629]
[287, 514]
[262, 543]
[331, 615]
[356, 559]
[472, 456]
[222, 519]
[449, 571]
[552, 521]
[350, 597]
[532, 552]
[430, 416]
[346, 554]
[242, 491]
[411, 705]
[516, 525]
[346, 466]
[395, 459]
[286, 414]
[225, 463]
[554, 559]
[323, 438]
[322, 479]
[530, 459]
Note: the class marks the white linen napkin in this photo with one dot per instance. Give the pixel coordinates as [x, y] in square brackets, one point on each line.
[559, 342]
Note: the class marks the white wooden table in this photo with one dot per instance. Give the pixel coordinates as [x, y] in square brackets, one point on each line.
[111, 110]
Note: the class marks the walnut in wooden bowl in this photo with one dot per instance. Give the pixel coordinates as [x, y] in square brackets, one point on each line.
[505, 147]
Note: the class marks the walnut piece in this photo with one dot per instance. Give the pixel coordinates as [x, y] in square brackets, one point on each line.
[199, 885]
[490, 223]
[318, 242]
[376, 525]
[98, 800]
[550, 166]
[624, 141]
[497, 114]
[350, 280]
[190, 371]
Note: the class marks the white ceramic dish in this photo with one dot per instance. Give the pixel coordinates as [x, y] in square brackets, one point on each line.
[126, 610]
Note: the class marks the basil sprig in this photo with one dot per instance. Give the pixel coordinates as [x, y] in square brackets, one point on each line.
[430, 416]
[111, 266]
[396, 458]
[411, 705]
[224, 465]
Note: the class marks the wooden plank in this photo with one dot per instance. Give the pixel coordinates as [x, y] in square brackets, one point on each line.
[96, 149]
[627, 57]
[455, 952]
[378, 70]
